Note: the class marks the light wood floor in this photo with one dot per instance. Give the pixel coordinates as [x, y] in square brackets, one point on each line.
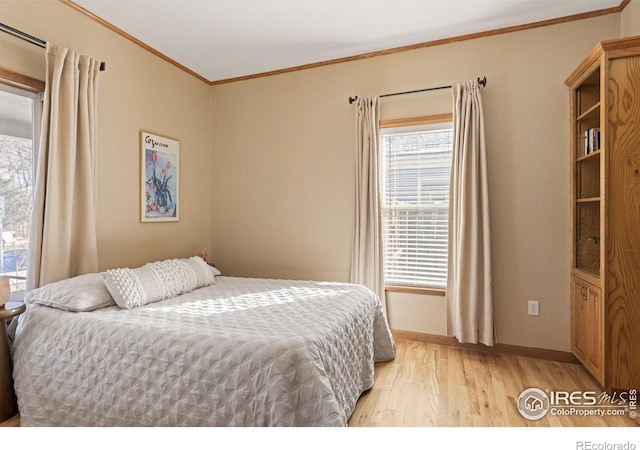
[434, 385]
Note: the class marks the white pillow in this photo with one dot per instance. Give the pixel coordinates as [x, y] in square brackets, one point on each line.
[78, 294]
[157, 281]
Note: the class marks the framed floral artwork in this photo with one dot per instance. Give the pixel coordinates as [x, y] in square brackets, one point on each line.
[159, 178]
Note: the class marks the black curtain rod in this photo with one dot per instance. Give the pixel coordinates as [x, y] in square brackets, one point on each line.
[481, 81]
[31, 39]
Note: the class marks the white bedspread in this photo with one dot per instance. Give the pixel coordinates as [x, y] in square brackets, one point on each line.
[241, 352]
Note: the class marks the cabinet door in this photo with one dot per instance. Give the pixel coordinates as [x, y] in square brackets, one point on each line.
[595, 335]
[587, 326]
[579, 318]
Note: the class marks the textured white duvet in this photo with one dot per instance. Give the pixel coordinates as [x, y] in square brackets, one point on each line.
[241, 352]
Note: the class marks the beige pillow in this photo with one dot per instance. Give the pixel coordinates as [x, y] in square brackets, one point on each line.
[78, 294]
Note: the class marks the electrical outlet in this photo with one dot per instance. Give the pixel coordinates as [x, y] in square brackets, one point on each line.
[534, 308]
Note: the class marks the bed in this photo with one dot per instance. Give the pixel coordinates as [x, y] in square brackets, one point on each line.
[235, 352]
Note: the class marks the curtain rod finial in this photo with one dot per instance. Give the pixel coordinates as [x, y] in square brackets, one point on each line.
[352, 99]
[482, 81]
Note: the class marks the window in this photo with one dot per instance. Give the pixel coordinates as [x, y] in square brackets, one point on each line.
[20, 113]
[416, 162]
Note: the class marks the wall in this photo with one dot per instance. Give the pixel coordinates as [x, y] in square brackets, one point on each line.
[630, 19]
[283, 169]
[138, 91]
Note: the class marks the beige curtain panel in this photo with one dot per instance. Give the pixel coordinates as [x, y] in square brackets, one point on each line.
[366, 262]
[63, 232]
[469, 295]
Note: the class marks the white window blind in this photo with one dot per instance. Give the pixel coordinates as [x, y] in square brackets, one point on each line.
[416, 171]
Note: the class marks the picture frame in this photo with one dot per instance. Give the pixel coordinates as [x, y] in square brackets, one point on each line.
[159, 178]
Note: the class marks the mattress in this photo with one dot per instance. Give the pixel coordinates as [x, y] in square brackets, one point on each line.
[240, 352]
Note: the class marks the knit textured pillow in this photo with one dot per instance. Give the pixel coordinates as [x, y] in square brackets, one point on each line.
[157, 281]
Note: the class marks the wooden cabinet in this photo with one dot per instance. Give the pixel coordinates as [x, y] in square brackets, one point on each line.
[605, 205]
[587, 326]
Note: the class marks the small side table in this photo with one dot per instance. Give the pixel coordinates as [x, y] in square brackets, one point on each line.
[8, 401]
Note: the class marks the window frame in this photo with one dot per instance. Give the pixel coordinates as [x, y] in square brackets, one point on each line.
[32, 88]
[18, 80]
[407, 123]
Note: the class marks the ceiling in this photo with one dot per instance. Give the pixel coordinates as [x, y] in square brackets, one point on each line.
[227, 39]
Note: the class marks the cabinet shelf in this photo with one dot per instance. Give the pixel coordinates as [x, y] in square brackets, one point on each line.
[592, 113]
[587, 275]
[592, 155]
[588, 200]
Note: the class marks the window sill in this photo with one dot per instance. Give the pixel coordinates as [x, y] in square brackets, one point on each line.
[416, 290]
